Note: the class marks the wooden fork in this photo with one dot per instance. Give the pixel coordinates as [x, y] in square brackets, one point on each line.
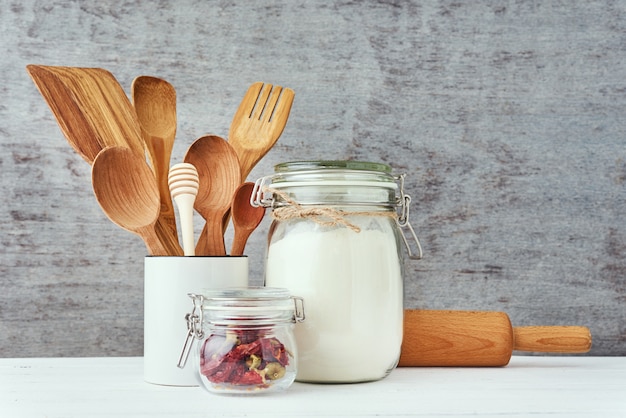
[258, 123]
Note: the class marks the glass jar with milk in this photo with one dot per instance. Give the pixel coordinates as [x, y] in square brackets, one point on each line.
[335, 240]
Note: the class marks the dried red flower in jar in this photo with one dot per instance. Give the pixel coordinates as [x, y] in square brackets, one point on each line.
[247, 338]
[241, 358]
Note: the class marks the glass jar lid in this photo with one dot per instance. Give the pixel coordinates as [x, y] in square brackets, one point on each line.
[251, 294]
[333, 173]
[251, 306]
[329, 182]
[331, 164]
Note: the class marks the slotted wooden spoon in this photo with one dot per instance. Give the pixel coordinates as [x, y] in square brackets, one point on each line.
[155, 103]
[258, 123]
[219, 173]
[127, 192]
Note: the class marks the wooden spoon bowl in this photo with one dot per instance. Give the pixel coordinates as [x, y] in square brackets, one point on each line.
[246, 217]
[220, 175]
[127, 193]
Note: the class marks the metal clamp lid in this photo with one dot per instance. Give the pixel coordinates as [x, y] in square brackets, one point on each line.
[262, 195]
[195, 318]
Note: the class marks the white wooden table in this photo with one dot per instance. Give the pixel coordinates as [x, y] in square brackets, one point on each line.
[528, 386]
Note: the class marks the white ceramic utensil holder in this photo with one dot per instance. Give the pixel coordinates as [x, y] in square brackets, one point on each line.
[167, 282]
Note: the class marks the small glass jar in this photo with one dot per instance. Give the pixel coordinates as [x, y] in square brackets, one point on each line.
[246, 342]
[335, 240]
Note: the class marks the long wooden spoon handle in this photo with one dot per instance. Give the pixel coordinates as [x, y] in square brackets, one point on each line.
[552, 339]
[202, 246]
[167, 215]
[239, 243]
[153, 241]
[167, 240]
[211, 241]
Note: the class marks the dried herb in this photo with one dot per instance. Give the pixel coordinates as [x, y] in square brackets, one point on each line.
[243, 358]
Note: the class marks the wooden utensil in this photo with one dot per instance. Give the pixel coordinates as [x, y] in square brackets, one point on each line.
[128, 194]
[155, 103]
[245, 217]
[184, 183]
[94, 113]
[258, 123]
[473, 338]
[90, 107]
[220, 175]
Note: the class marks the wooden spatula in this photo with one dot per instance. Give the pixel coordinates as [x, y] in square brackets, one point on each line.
[474, 338]
[155, 104]
[90, 107]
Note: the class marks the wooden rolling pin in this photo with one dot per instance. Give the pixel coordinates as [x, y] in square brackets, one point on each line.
[474, 338]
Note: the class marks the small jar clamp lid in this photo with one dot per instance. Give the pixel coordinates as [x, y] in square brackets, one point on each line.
[251, 305]
[248, 306]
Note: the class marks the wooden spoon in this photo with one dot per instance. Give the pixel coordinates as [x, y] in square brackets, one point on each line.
[245, 217]
[127, 193]
[90, 107]
[184, 183]
[155, 103]
[220, 175]
[258, 123]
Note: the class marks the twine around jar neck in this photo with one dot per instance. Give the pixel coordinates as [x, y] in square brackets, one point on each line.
[321, 215]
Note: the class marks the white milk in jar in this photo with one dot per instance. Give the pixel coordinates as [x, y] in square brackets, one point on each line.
[336, 242]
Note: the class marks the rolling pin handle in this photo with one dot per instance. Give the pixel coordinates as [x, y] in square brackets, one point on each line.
[552, 339]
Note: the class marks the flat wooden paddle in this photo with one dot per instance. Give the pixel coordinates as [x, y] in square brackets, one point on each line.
[90, 107]
[474, 338]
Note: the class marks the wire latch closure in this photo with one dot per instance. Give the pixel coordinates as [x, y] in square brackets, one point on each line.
[194, 328]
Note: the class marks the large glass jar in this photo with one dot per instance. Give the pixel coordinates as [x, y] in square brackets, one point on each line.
[246, 343]
[335, 241]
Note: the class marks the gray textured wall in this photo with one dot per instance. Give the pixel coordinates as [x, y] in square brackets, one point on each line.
[509, 118]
